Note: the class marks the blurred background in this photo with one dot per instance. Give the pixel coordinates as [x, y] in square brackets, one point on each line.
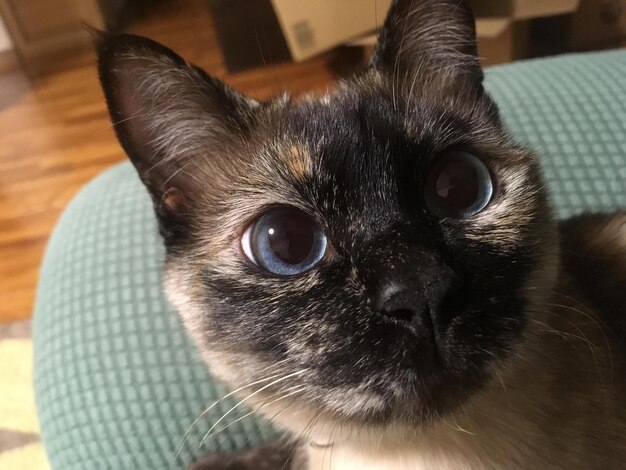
[55, 133]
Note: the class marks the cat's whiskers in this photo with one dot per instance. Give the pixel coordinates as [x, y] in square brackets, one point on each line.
[584, 310]
[295, 390]
[567, 336]
[501, 381]
[456, 426]
[380, 439]
[310, 425]
[209, 408]
[326, 446]
[600, 325]
[265, 387]
[596, 321]
[332, 440]
[271, 418]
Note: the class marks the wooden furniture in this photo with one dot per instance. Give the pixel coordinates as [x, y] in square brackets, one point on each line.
[46, 32]
[55, 134]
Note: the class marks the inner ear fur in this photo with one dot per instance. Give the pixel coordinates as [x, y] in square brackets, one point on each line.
[173, 120]
[430, 38]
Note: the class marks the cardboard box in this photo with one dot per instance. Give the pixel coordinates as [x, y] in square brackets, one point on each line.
[517, 10]
[311, 27]
[248, 33]
[527, 9]
[500, 40]
[598, 23]
[256, 32]
[503, 27]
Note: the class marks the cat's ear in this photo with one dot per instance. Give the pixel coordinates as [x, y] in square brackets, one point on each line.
[429, 37]
[171, 118]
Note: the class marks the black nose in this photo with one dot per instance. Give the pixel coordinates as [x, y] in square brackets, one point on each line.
[409, 305]
[400, 302]
[406, 280]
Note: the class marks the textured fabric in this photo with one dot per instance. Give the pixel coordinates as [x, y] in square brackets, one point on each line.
[572, 111]
[117, 382]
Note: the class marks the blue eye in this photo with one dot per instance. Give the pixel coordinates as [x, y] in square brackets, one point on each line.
[285, 242]
[458, 185]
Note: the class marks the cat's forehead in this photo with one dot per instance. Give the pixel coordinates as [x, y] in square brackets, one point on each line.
[371, 110]
[340, 146]
[362, 134]
[362, 153]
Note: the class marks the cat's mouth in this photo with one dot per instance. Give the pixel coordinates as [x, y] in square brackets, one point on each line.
[421, 381]
[417, 402]
[413, 404]
[398, 395]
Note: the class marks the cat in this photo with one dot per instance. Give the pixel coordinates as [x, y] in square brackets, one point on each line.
[378, 269]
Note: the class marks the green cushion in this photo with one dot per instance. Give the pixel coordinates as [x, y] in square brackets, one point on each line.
[572, 111]
[117, 382]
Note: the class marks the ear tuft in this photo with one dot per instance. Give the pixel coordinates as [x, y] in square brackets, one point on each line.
[429, 37]
[172, 119]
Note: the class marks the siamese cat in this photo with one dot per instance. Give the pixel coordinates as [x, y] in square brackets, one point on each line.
[378, 269]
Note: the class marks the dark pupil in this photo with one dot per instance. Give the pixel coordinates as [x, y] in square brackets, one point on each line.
[290, 236]
[457, 183]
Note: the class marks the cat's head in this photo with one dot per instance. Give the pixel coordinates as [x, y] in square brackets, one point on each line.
[374, 254]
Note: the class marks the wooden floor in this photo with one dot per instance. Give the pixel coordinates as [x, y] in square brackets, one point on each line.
[55, 135]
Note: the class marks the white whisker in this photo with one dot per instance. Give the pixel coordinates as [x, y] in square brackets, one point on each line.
[265, 387]
[213, 405]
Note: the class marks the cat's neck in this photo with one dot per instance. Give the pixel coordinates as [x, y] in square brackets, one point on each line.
[343, 458]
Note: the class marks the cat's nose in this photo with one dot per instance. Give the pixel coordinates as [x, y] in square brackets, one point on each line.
[406, 280]
[400, 302]
[409, 306]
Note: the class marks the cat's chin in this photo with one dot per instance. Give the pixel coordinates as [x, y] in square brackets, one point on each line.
[322, 428]
[303, 398]
[358, 415]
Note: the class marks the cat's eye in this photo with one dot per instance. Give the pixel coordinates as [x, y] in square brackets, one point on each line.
[284, 241]
[458, 185]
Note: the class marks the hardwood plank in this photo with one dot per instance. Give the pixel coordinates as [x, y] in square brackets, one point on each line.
[55, 135]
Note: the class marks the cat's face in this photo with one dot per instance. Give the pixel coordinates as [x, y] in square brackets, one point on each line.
[376, 254]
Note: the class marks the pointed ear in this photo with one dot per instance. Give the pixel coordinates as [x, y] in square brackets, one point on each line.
[429, 37]
[172, 119]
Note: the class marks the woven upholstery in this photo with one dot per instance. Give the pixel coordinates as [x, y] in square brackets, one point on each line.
[117, 382]
[572, 111]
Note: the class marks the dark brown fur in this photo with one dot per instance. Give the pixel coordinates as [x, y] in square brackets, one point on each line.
[524, 366]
